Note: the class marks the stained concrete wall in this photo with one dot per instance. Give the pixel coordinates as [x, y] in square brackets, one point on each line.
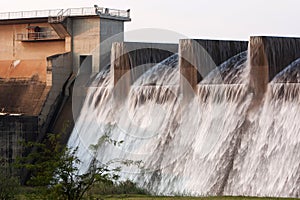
[110, 31]
[259, 70]
[22, 97]
[13, 130]
[131, 59]
[23, 69]
[86, 40]
[280, 52]
[12, 50]
[59, 70]
[53, 106]
[199, 57]
[269, 56]
[37, 103]
[88, 33]
[129, 55]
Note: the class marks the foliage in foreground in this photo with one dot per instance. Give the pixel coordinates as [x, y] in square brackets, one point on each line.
[8, 183]
[121, 188]
[54, 172]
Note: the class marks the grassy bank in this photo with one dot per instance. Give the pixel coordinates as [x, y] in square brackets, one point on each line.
[144, 197]
[147, 197]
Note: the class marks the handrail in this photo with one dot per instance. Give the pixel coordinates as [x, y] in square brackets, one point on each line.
[29, 14]
[113, 12]
[58, 18]
[60, 14]
[37, 36]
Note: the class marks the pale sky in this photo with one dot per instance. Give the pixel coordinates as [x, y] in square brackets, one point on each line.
[213, 19]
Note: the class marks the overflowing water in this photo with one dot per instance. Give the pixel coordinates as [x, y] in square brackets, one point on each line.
[200, 143]
[268, 160]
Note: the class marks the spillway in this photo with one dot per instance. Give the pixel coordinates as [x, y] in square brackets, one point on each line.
[226, 135]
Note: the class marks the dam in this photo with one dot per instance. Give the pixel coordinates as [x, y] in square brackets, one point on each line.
[213, 118]
[202, 117]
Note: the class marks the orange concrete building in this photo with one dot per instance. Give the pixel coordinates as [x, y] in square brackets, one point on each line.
[41, 52]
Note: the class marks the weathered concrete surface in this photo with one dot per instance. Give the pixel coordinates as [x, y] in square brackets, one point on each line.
[64, 118]
[259, 69]
[59, 70]
[280, 52]
[23, 69]
[222, 50]
[110, 31]
[86, 40]
[28, 95]
[37, 102]
[94, 36]
[36, 76]
[14, 129]
[61, 30]
[269, 56]
[131, 59]
[24, 97]
[129, 55]
[11, 49]
[199, 57]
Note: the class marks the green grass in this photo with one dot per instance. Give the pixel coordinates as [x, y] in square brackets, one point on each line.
[116, 192]
[145, 197]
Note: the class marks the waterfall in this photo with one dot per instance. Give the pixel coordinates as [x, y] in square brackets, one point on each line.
[207, 144]
[268, 159]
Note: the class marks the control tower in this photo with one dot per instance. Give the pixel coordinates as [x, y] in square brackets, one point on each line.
[40, 56]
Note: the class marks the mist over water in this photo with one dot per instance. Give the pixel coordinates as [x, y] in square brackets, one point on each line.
[203, 143]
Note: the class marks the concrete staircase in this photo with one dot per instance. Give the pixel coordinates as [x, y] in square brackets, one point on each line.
[60, 24]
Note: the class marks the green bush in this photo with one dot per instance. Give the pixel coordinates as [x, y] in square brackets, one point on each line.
[8, 183]
[111, 188]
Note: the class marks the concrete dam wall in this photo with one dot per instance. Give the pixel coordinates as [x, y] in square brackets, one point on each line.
[28, 105]
[234, 135]
[229, 137]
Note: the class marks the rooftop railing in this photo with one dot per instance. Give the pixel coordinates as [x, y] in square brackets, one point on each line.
[61, 13]
[29, 14]
[112, 12]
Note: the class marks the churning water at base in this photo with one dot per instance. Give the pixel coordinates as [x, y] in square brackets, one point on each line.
[201, 143]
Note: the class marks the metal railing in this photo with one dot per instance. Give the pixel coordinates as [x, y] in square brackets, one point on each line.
[47, 35]
[58, 18]
[29, 14]
[113, 12]
[59, 14]
[79, 11]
